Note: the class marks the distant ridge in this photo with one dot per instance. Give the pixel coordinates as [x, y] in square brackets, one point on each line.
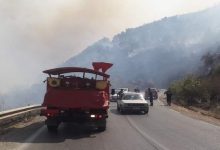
[156, 53]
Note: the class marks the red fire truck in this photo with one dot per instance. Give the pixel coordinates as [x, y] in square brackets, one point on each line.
[79, 95]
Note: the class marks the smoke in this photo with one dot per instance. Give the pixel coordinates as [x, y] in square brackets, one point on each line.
[39, 34]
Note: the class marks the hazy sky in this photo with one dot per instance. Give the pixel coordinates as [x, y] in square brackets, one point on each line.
[39, 34]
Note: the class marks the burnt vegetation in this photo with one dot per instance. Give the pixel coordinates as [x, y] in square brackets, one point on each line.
[201, 89]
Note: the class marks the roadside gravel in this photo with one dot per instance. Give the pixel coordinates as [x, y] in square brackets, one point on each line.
[192, 112]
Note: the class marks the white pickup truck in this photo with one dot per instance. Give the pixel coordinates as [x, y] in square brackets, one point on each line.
[132, 101]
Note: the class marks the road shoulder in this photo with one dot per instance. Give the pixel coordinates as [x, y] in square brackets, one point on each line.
[191, 112]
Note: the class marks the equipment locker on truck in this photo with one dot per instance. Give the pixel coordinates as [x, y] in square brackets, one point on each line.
[79, 95]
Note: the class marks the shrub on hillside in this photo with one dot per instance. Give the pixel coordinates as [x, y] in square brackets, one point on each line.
[189, 91]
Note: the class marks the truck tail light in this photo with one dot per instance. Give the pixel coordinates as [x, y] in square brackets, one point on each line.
[92, 116]
[49, 115]
[51, 112]
[97, 116]
[53, 82]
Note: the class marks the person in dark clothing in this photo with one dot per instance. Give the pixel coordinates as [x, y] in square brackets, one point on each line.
[169, 96]
[113, 92]
[150, 94]
[120, 94]
[137, 90]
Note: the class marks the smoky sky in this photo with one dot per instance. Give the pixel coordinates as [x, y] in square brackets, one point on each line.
[39, 34]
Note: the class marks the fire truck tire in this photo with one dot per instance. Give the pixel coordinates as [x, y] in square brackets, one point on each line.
[102, 126]
[52, 128]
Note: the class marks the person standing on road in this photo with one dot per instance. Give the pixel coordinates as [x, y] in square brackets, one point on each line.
[150, 96]
[137, 90]
[120, 94]
[169, 96]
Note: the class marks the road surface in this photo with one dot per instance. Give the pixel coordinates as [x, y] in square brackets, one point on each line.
[161, 129]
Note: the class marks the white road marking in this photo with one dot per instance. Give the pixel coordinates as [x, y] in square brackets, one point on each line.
[155, 143]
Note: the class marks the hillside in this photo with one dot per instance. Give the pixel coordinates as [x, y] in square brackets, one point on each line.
[155, 54]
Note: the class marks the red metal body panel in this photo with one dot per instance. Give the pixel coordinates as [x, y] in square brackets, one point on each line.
[76, 94]
[101, 65]
[64, 99]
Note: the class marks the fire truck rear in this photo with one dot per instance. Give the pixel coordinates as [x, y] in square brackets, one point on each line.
[78, 95]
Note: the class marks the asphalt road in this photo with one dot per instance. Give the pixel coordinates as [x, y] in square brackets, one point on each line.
[161, 129]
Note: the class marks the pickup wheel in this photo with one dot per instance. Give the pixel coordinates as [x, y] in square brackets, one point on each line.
[146, 111]
[121, 111]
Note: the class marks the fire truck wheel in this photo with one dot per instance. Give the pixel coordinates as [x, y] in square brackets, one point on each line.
[52, 128]
[102, 126]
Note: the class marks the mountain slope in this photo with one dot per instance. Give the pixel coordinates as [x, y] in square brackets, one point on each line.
[150, 55]
[156, 53]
